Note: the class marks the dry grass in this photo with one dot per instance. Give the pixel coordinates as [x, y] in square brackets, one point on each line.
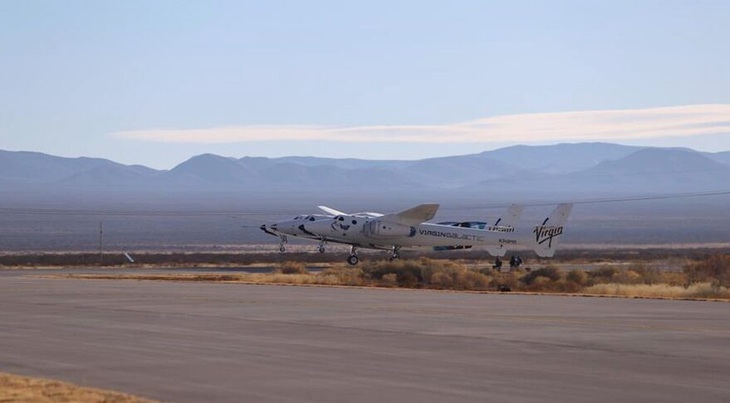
[694, 291]
[714, 269]
[467, 280]
[15, 388]
[638, 280]
[323, 278]
[292, 267]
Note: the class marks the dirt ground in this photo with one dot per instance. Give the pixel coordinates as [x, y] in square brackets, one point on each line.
[15, 388]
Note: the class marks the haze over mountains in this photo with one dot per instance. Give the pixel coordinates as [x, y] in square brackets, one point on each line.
[541, 170]
[54, 203]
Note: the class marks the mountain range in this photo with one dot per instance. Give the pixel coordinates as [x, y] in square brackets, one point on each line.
[55, 203]
[543, 170]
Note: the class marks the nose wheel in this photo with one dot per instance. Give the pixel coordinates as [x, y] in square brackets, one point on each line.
[353, 259]
[282, 242]
[321, 247]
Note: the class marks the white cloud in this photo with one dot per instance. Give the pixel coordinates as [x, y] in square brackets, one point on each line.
[602, 125]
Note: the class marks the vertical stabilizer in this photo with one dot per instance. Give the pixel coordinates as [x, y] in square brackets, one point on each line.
[505, 224]
[509, 218]
[547, 235]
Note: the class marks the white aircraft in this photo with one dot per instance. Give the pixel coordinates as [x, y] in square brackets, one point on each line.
[410, 229]
[295, 227]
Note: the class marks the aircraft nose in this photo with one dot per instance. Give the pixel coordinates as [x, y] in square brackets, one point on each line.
[268, 230]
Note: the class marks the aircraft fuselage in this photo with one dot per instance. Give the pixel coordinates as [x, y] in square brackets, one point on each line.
[373, 232]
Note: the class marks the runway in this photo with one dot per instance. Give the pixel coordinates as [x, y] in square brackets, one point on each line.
[192, 342]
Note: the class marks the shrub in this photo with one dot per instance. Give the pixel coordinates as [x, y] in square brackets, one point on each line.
[440, 274]
[488, 271]
[647, 274]
[292, 268]
[579, 277]
[714, 269]
[602, 274]
[540, 283]
[674, 278]
[568, 286]
[408, 272]
[458, 278]
[442, 279]
[551, 273]
[446, 275]
[389, 280]
[472, 280]
[344, 275]
[625, 276]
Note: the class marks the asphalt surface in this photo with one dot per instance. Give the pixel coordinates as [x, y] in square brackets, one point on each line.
[193, 342]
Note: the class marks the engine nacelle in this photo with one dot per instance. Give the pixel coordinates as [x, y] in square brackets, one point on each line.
[380, 229]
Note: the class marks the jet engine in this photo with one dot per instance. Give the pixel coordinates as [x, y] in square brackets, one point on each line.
[379, 229]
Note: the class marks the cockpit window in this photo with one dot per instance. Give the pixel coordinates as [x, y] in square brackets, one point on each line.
[311, 218]
[340, 218]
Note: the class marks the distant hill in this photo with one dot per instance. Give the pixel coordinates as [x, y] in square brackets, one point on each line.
[542, 170]
[722, 157]
[560, 158]
[21, 167]
[55, 203]
[657, 169]
[643, 171]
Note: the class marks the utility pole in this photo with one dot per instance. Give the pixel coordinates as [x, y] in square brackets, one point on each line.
[101, 243]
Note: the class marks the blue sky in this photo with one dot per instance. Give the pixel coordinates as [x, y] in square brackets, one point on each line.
[155, 82]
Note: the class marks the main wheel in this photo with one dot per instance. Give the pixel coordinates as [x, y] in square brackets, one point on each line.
[321, 249]
[352, 260]
[282, 249]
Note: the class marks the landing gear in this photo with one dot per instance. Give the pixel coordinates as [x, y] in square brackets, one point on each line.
[282, 242]
[353, 259]
[395, 253]
[321, 247]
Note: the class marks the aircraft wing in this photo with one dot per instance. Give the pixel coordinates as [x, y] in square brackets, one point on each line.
[330, 211]
[413, 216]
